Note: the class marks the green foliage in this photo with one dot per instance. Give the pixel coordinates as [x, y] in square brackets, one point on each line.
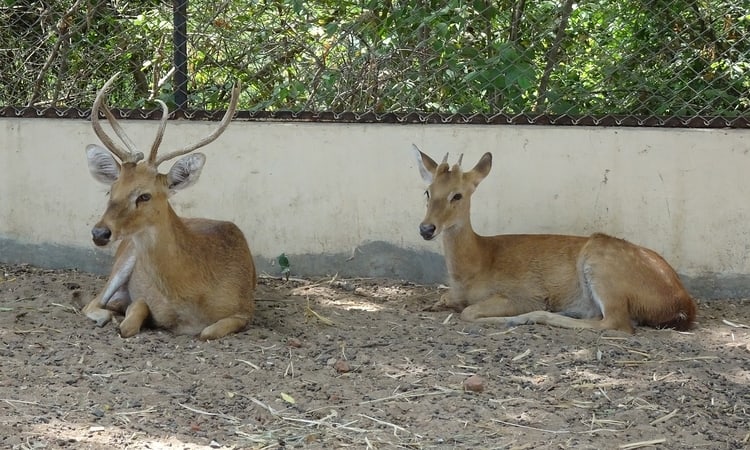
[644, 57]
[284, 265]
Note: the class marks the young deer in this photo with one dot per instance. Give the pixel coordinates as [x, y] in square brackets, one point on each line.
[191, 276]
[598, 282]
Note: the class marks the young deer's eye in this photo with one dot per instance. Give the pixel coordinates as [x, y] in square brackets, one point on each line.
[457, 196]
[142, 198]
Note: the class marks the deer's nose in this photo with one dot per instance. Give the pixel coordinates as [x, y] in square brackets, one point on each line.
[101, 235]
[427, 230]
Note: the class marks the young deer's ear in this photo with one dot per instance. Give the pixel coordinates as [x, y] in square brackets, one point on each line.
[102, 165]
[186, 171]
[426, 165]
[481, 170]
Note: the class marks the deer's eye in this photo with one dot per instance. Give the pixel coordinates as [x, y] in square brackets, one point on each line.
[456, 197]
[142, 198]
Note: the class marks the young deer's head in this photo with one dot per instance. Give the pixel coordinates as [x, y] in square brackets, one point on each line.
[138, 196]
[448, 192]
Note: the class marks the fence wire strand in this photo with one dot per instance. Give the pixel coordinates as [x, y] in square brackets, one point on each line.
[626, 62]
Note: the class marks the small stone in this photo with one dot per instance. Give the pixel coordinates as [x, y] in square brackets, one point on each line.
[474, 383]
[294, 342]
[342, 366]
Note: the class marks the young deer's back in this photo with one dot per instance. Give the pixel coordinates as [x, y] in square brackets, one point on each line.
[571, 281]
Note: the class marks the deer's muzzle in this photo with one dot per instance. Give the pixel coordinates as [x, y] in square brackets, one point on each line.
[101, 235]
[427, 230]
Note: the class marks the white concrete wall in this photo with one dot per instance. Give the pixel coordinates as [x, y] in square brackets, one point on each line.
[325, 189]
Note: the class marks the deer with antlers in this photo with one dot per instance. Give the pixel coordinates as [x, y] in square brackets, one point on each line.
[190, 276]
[596, 282]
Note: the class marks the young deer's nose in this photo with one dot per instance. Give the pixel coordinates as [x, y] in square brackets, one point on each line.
[101, 235]
[427, 230]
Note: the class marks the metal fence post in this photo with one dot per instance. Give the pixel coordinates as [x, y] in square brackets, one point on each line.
[180, 11]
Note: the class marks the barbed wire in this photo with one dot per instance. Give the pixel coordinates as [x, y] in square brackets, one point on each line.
[623, 63]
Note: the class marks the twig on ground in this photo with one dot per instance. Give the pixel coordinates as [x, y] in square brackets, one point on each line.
[254, 366]
[36, 330]
[406, 395]
[12, 402]
[111, 374]
[69, 308]
[522, 355]
[284, 279]
[640, 444]
[518, 425]
[393, 425]
[262, 405]
[663, 361]
[309, 312]
[207, 413]
[664, 418]
[290, 367]
[134, 413]
[734, 324]
[324, 422]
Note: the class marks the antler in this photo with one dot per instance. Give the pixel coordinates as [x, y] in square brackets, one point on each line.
[159, 133]
[205, 141]
[131, 154]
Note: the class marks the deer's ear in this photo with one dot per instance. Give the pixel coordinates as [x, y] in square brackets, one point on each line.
[426, 165]
[186, 171]
[102, 165]
[481, 170]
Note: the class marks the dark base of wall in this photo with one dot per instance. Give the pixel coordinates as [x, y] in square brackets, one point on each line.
[371, 259]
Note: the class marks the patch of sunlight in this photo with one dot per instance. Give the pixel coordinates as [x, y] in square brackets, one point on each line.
[54, 433]
[349, 303]
[335, 298]
[727, 336]
[739, 376]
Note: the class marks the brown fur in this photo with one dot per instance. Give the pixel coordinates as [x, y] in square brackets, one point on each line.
[190, 276]
[195, 276]
[598, 282]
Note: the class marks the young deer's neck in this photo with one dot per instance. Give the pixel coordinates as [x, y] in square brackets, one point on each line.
[462, 248]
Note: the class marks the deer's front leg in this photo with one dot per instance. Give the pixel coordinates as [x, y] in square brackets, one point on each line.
[223, 327]
[118, 303]
[448, 301]
[94, 312]
[136, 314]
[497, 308]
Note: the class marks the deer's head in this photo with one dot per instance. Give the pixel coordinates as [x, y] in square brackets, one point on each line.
[449, 191]
[139, 193]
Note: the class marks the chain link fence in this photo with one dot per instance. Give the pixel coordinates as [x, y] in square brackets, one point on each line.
[625, 62]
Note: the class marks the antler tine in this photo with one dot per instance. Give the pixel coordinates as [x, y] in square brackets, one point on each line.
[159, 133]
[460, 158]
[126, 155]
[445, 159]
[211, 137]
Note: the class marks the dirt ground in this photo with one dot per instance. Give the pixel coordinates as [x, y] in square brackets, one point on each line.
[358, 364]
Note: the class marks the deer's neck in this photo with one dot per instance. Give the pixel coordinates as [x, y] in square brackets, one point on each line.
[164, 250]
[463, 250]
